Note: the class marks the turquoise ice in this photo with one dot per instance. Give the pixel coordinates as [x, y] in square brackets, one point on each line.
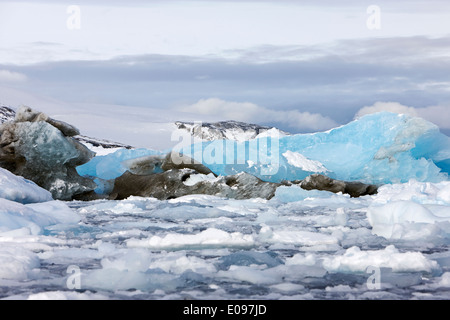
[378, 148]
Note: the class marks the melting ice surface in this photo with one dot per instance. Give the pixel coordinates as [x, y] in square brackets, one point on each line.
[298, 245]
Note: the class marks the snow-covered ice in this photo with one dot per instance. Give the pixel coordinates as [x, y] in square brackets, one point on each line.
[298, 245]
[21, 190]
[414, 211]
[209, 238]
[300, 161]
[110, 165]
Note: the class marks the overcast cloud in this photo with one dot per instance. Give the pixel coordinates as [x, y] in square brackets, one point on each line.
[300, 65]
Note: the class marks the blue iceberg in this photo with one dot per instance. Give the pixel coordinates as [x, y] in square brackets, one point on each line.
[113, 165]
[378, 148]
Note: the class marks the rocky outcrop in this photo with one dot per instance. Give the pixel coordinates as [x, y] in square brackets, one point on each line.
[231, 130]
[175, 183]
[43, 150]
[6, 114]
[47, 152]
[189, 178]
[321, 182]
[26, 114]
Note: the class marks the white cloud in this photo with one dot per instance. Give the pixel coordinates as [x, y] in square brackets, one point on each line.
[11, 76]
[253, 113]
[439, 115]
[380, 106]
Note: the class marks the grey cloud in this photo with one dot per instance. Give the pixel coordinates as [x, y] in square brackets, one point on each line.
[334, 80]
[399, 6]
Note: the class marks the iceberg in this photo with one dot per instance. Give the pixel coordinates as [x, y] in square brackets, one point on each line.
[17, 218]
[26, 208]
[103, 169]
[43, 150]
[296, 193]
[19, 189]
[374, 150]
[412, 211]
[377, 149]
[113, 165]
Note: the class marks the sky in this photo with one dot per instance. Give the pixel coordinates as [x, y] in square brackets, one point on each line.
[303, 66]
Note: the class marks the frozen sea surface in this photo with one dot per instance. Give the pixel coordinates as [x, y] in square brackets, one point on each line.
[298, 245]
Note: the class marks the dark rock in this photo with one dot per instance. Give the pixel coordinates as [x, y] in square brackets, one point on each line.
[175, 160]
[172, 184]
[321, 182]
[357, 189]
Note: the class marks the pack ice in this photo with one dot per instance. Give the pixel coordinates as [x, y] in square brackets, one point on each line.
[25, 211]
[300, 244]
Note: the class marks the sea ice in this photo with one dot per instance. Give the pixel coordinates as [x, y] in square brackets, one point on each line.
[253, 275]
[411, 211]
[179, 262]
[300, 244]
[66, 295]
[296, 193]
[34, 217]
[356, 260]
[209, 238]
[19, 189]
[17, 263]
[39, 151]
[204, 247]
[444, 194]
[296, 237]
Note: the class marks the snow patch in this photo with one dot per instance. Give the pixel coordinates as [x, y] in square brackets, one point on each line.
[210, 238]
[17, 263]
[19, 189]
[356, 260]
[412, 211]
[300, 161]
[196, 178]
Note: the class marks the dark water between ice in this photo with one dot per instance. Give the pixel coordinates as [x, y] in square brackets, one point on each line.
[202, 247]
